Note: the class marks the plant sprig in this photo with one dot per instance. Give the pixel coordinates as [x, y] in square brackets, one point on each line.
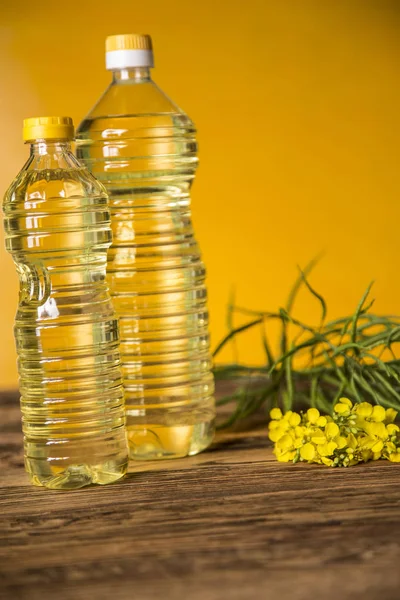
[342, 357]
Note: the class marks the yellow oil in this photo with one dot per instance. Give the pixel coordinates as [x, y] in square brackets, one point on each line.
[57, 226]
[147, 162]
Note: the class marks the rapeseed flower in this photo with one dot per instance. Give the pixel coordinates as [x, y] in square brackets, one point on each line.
[351, 435]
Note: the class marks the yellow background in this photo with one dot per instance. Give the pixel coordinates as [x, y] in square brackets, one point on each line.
[298, 109]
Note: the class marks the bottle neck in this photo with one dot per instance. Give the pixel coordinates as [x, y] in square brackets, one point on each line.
[132, 74]
[51, 154]
[43, 147]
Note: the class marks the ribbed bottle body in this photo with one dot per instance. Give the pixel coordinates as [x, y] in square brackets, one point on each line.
[57, 226]
[147, 162]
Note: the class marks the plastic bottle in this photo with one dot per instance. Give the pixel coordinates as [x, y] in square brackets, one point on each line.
[142, 147]
[57, 225]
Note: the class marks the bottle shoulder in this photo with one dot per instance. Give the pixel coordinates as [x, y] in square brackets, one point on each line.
[130, 99]
[32, 188]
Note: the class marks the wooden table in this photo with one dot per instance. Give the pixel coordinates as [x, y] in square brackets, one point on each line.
[229, 524]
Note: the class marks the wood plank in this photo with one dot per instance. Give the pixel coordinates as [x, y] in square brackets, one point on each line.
[231, 522]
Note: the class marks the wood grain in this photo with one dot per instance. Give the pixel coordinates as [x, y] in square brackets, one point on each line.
[230, 523]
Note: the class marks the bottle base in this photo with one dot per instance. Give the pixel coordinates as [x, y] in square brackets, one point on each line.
[74, 477]
[151, 441]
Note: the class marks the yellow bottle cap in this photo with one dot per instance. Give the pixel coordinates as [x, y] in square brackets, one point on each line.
[129, 50]
[44, 128]
[128, 41]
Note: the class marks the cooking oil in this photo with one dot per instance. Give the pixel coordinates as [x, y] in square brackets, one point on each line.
[57, 226]
[143, 148]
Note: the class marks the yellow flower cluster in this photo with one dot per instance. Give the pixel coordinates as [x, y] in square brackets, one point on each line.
[353, 434]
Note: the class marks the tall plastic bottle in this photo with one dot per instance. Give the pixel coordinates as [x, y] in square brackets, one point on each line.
[57, 225]
[142, 147]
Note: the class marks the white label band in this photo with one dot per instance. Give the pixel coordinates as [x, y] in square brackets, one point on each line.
[121, 59]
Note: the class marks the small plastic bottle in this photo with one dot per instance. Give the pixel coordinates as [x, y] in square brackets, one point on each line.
[143, 148]
[57, 225]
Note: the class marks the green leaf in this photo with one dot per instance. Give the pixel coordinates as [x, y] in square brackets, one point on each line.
[314, 293]
[354, 320]
[267, 348]
[289, 380]
[292, 296]
[388, 386]
[234, 332]
[230, 311]
[313, 392]
[286, 402]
